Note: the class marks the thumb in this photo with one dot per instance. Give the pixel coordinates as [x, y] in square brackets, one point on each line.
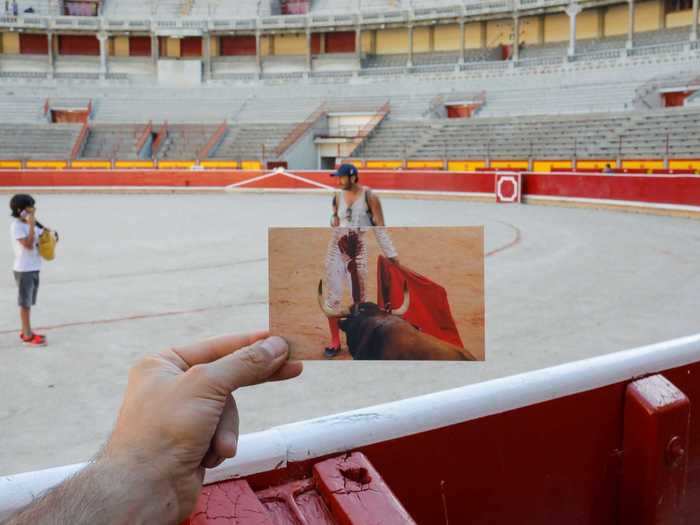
[248, 366]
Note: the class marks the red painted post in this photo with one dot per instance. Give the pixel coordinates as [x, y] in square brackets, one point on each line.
[655, 445]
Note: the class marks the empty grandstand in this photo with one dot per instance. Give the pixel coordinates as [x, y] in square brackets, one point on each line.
[382, 81]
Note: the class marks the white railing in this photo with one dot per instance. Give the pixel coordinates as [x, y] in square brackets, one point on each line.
[363, 16]
[304, 440]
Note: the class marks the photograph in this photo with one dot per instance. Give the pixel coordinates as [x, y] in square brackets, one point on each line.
[379, 293]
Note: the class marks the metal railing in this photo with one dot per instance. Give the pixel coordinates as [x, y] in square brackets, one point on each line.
[213, 141]
[299, 130]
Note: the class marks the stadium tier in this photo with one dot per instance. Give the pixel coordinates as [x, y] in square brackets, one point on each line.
[384, 82]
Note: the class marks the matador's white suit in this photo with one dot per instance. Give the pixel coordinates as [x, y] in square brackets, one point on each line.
[355, 221]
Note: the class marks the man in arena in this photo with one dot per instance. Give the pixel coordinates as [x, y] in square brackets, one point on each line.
[355, 211]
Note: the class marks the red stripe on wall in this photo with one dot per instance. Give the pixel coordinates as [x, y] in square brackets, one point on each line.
[340, 42]
[191, 47]
[140, 46]
[33, 44]
[78, 45]
[237, 45]
[653, 189]
[661, 189]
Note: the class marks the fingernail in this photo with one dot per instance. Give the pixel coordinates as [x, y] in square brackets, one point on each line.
[275, 345]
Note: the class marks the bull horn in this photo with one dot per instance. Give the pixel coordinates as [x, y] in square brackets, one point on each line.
[406, 302]
[329, 312]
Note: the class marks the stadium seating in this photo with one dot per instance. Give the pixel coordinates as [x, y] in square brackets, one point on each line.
[37, 141]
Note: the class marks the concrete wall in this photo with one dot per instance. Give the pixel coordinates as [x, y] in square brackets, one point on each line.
[475, 35]
[556, 28]
[121, 46]
[531, 30]
[172, 48]
[422, 39]
[10, 43]
[648, 16]
[616, 20]
[589, 24]
[679, 19]
[499, 32]
[180, 73]
[304, 155]
[214, 47]
[446, 38]
[391, 41]
[286, 45]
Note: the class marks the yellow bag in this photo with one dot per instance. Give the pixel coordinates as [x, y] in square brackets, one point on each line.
[47, 245]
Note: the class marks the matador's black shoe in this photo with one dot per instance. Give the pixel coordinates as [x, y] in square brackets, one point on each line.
[331, 351]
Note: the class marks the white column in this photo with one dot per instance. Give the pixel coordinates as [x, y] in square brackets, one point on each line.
[206, 51]
[102, 37]
[155, 52]
[694, 27]
[572, 10]
[461, 41]
[52, 65]
[358, 42]
[630, 25]
[308, 50]
[515, 55]
[409, 63]
[258, 52]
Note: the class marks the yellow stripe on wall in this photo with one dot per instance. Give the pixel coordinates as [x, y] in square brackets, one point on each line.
[133, 164]
[251, 165]
[219, 164]
[551, 165]
[176, 164]
[384, 164]
[425, 164]
[595, 164]
[44, 164]
[643, 164]
[510, 164]
[684, 164]
[465, 165]
[98, 164]
[11, 164]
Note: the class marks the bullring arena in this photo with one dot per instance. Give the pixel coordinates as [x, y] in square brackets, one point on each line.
[163, 140]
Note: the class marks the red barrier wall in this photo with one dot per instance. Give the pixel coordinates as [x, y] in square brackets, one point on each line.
[662, 189]
[556, 462]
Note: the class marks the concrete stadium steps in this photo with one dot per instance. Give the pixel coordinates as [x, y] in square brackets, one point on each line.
[563, 98]
[116, 141]
[170, 106]
[37, 141]
[245, 141]
[185, 141]
[20, 109]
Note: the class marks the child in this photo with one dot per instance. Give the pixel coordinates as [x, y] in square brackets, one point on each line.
[25, 233]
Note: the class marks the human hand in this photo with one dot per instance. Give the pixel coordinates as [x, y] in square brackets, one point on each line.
[335, 221]
[29, 216]
[178, 416]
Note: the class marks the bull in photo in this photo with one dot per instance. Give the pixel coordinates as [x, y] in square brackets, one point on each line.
[375, 333]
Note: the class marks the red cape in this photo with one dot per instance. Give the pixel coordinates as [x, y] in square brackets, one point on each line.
[429, 309]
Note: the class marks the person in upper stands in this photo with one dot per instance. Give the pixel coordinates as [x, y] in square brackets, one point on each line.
[177, 419]
[607, 169]
[15, 8]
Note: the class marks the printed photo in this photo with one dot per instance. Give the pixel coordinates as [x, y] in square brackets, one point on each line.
[378, 293]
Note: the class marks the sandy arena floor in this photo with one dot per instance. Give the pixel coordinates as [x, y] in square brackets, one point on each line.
[136, 273]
